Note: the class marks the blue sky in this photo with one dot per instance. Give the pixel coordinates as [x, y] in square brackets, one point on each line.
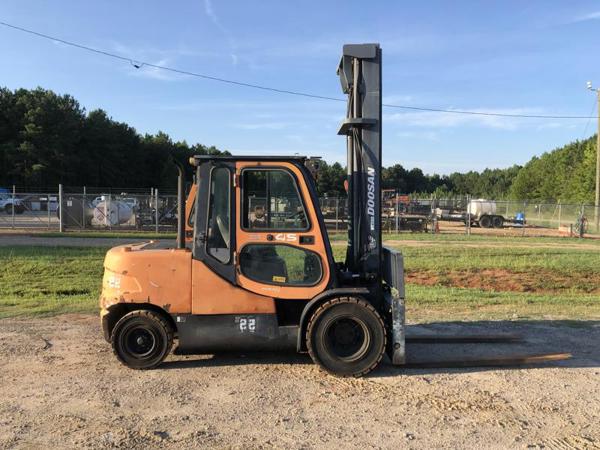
[531, 57]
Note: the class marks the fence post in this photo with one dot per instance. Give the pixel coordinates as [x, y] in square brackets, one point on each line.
[60, 208]
[13, 205]
[581, 221]
[156, 209]
[523, 227]
[468, 224]
[337, 213]
[48, 208]
[83, 206]
[397, 208]
[559, 213]
[105, 204]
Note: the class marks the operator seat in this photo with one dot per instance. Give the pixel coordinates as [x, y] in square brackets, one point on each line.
[261, 262]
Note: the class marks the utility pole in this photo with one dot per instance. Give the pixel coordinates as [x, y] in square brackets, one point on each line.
[597, 200]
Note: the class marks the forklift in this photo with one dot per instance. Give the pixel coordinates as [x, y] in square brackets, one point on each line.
[259, 272]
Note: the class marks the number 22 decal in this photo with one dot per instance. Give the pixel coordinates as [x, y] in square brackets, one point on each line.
[247, 324]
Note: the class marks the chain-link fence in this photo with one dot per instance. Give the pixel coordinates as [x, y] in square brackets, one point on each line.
[60, 210]
[151, 210]
[29, 210]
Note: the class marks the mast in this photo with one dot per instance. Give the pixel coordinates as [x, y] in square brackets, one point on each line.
[360, 76]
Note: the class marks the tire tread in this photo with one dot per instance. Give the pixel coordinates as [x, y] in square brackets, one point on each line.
[153, 316]
[329, 304]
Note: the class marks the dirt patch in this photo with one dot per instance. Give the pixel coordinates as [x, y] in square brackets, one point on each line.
[61, 387]
[499, 280]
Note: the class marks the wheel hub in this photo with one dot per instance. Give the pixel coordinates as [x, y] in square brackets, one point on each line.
[347, 338]
[140, 342]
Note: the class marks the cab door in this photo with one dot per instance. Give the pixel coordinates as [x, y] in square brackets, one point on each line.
[280, 247]
[214, 289]
[214, 240]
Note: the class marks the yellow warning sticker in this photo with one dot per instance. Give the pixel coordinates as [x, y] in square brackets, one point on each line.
[277, 279]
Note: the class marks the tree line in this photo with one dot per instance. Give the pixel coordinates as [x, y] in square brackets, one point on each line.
[491, 183]
[46, 139]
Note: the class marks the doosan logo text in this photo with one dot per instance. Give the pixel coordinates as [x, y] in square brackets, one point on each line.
[371, 196]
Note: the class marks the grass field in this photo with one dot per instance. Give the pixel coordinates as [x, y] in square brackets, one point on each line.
[448, 278]
[49, 280]
[107, 234]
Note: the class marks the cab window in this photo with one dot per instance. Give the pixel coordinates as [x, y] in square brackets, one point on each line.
[271, 201]
[280, 264]
[218, 232]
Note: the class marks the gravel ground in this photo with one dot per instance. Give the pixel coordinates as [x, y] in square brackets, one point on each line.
[61, 386]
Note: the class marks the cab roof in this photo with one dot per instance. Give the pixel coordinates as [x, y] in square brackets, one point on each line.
[197, 159]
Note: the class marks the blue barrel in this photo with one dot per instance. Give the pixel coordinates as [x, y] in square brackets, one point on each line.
[520, 217]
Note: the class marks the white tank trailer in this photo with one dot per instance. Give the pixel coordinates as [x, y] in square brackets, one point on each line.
[481, 212]
[112, 213]
[484, 213]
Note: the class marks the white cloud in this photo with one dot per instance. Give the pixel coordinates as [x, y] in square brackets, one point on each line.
[139, 55]
[585, 17]
[210, 12]
[396, 99]
[262, 126]
[145, 52]
[427, 135]
[453, 120]
[555, 125]
[155, 73]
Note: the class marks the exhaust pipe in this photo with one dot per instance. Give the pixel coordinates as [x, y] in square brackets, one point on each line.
[180, 244]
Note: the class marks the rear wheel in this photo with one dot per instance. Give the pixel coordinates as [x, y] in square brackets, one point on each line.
[498, 221]
[346, 337]
[142, 339]
[485, 222]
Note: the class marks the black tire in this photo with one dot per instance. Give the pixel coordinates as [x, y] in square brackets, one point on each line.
[8, 209]
[142, 339]
[485, 222]
[497, 221]
[346, 337]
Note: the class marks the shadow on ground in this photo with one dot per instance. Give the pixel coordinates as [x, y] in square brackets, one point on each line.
[580, 338]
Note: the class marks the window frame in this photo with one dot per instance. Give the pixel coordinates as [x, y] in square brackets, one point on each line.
[192, 216]
[298, 191]
[208, 217]
[271, 283]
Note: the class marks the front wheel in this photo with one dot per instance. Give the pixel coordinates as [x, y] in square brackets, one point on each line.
[346, 337]
[142, 339]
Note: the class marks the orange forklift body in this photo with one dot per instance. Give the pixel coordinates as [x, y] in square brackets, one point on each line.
[253, 267]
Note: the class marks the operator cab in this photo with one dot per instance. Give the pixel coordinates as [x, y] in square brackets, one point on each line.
[257, 225]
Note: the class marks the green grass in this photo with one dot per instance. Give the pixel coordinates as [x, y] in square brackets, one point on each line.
[53, 280]
[477, 238]
[107, 234]
[49, 280]
[442, 302]
[441, 258]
